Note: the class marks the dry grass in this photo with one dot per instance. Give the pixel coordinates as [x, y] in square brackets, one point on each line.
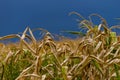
[96, 56]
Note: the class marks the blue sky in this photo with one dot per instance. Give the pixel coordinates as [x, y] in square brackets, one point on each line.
[16, 15]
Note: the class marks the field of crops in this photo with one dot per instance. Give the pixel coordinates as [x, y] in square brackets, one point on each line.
[95, 56]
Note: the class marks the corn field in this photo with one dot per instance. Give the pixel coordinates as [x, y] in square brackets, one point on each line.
[95, 56]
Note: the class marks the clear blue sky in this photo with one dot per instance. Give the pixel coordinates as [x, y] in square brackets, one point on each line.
[16, 15]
